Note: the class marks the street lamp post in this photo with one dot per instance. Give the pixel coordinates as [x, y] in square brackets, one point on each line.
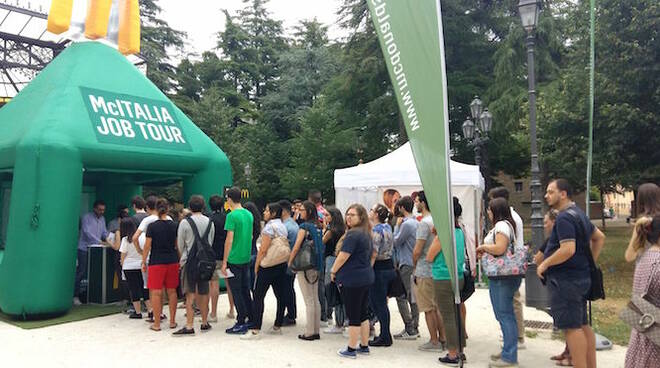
[529, 14]
[477, 136]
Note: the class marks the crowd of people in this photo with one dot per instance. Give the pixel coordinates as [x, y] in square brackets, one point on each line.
[352, 261]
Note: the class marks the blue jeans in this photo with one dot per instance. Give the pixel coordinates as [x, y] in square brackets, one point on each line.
[240, 288]
[501, 297]
[378, 300]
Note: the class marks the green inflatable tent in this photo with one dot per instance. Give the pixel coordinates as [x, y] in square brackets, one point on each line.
[88, 123]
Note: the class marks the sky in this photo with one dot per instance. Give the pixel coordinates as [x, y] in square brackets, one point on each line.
[202, 19]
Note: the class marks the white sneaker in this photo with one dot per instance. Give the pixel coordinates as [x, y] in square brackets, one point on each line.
[76, 301]
[404, 335]
[251, 335]
[275, 331]
[429, 346]
[213, 319]
[324, 323]
[334, 330]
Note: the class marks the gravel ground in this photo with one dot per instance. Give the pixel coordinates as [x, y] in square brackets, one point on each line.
[116, 341]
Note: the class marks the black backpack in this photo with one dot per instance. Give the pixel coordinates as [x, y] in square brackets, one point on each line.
[201, 257]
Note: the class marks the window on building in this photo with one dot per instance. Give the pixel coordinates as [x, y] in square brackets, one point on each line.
[519, 186]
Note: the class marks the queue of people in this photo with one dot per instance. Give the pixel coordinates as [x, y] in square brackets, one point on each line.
[352, 260]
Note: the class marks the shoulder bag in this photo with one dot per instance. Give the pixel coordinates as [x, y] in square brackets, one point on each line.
[597, 290]
[513, 263]
[278, 252]
[642, 315]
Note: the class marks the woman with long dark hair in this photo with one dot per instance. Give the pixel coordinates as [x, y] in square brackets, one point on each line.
[163, 253]
[308, 280]
[497, 241]
[381, 259]
[353, 273]
[271, 275]
[334, 230]
[256, 231]
[648, 205]
[131, 262]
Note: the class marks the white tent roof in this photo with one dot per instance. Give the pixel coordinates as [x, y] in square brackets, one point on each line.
[398, 169]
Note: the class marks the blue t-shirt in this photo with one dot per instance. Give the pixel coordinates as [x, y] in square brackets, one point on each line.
[569, 227]
[439, 266]
[315, 234]
[292, 231]
[357, 270]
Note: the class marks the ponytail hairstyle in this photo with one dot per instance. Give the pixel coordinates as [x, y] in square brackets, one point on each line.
[458, 211]
[384, 214]
[646, 229]
[162, 206]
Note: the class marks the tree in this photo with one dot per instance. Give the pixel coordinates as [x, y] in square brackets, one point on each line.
[157, 40]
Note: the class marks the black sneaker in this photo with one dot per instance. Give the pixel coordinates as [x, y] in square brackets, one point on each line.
[380, 342]
[205, 327]
[288, 322]
[185, 331]
[450, 362]
[135, 315]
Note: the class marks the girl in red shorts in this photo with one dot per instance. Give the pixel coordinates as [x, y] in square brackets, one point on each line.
[163, 254]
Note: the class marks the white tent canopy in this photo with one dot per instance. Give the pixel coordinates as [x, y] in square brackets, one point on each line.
[366, 183]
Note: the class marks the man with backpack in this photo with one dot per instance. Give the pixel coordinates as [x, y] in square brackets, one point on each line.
[194, 239]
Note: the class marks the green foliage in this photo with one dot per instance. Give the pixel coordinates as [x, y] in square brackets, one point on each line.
[296, 108]
[157, 39]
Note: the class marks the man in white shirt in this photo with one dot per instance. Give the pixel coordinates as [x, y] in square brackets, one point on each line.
[502, 192]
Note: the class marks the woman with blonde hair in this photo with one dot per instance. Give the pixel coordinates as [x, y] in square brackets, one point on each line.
[642, 351]
[354, 275]
[648, 206]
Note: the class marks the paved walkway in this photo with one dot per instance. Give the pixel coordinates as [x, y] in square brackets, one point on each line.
[116, 341]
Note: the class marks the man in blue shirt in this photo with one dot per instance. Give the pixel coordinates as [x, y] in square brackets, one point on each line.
[292, 233]
[566, 270]
[92, 231]
[404, 242]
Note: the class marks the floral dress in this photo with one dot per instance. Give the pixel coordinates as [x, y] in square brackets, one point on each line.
[642, 352]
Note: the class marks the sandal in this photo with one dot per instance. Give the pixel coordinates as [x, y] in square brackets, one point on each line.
[175, 325]
[566, 362]
[561, 356]
[152, 328]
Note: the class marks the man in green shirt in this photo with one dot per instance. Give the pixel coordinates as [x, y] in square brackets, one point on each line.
[238, 246]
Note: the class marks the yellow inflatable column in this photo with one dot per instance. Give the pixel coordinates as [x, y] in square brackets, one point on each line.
[129, 27]
[59, 17]
[98, 15]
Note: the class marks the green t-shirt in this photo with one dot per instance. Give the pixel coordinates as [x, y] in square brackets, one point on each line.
[240, 222]
[439, 267]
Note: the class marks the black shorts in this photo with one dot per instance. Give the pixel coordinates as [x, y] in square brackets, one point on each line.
[568, 301]
[136, 287]
[191, 286]
[356, 302]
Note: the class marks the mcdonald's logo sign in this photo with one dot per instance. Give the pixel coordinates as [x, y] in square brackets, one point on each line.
[245, 193]
[97, 19]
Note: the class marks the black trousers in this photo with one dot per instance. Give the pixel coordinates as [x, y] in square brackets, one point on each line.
[290, 298]
[266, 277]
[240, 288]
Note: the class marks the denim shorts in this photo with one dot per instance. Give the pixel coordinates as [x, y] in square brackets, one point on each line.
[568, 301]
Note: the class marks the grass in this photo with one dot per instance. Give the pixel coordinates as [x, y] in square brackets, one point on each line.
[77, 313]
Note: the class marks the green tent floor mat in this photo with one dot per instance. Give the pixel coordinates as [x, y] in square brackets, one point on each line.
[77, 313]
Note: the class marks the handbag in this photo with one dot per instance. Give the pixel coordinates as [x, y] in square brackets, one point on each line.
[306, 258]
[513, 263]
[597, 290]
[278, 252]
[468, 280]
[644, 317]
[396, 289]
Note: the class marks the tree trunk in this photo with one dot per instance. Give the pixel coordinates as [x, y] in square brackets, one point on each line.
[602, 207]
